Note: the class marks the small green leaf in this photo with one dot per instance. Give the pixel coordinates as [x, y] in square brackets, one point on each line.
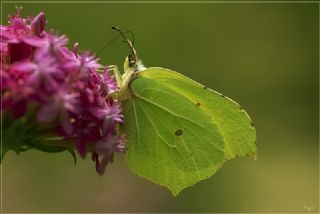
[13, 134]
[39, 145]
[23, 134]
[73, 154]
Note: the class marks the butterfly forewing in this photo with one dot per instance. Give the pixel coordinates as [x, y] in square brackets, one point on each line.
[179, 132]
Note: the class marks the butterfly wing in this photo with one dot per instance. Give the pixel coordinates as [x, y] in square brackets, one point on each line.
[179, 132]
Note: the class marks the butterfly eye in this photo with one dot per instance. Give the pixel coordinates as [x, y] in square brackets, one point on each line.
[132, 59]
[131, 63]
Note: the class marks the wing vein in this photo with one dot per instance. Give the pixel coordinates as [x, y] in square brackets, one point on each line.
[227, 143]
[177, 115]
[193, 159]
[137, 125]
[165, 109]
[153, 126]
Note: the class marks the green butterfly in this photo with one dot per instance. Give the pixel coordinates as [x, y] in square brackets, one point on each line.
[178, 131]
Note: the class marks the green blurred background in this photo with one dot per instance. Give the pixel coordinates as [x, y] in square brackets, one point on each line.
[264, 56]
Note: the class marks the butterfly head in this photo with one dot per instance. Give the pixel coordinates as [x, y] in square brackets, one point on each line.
[132, 62]
[135, 67]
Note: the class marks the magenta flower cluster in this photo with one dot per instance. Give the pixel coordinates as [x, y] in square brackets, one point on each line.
[68, 88]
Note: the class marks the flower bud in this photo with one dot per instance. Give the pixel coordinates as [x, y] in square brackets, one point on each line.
[38, 23]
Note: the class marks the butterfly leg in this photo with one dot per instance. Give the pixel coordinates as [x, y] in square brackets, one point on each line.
[114, 69]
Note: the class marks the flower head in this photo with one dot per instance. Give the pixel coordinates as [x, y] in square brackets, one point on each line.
[67, 91]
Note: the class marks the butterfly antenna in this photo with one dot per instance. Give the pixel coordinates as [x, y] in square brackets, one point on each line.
[133, 55]
[114, 39]
[132, 35]
[108, 44]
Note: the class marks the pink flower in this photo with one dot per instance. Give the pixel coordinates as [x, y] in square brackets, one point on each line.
[50, 44]
[114, 112]
[60, 105]
[84, 62]
[64, 89]
[18, 33]
[43, 72]
[108, 84]
[14, 92]
[106, 149]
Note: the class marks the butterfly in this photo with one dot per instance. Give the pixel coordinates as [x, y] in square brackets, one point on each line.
[178, 131]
